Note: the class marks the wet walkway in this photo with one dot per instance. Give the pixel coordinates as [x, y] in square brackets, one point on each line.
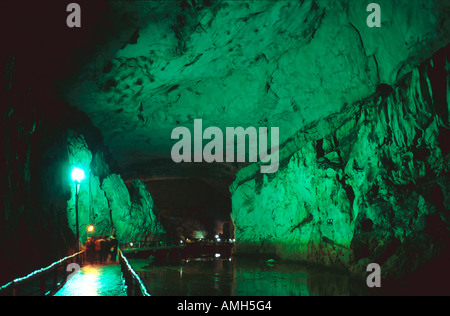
[95, 280]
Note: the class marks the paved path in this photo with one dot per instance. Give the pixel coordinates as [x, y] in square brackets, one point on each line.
[95, 280]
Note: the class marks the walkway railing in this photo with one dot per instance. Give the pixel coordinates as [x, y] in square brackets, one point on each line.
[43, 281]
[147, 244]
[134, 284]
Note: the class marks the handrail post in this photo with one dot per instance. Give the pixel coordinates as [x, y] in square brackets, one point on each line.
[137, 289]
[129, 282]
[55, 278]
[42, 284]
[16, 289]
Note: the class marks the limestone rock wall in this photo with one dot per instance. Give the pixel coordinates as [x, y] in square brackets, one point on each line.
[106, 202]
[370, 184]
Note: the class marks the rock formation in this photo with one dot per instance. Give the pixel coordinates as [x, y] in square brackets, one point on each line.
[368, 184]
[107, 204]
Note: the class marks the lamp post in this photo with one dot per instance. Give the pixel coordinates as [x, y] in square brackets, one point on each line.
[77, 177]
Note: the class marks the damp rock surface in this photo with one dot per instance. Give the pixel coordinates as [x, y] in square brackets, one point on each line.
[373, 189]
[284, 64]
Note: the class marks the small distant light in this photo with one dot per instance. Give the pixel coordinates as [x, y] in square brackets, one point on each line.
[131, 244]
[90, 228]
[217, 236]
[218, 239]
[234, 240]
[229, 259]
[181, 241]
[217, 255]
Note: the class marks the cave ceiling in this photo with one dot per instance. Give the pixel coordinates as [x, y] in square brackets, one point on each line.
[286, 64]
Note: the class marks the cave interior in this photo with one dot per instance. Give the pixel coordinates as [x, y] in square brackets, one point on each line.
[363, 116]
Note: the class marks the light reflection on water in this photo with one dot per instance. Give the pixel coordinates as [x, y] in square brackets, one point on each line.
[243, 277]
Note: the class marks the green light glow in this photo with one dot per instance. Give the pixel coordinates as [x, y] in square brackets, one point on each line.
[77, 174]
[199, 235]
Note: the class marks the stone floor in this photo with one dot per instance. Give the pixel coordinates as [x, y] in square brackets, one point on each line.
[95, 280]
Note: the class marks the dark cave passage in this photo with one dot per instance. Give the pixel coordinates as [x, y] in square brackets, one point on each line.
[355, 120]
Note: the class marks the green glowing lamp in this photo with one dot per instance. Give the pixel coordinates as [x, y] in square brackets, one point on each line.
[77, 174]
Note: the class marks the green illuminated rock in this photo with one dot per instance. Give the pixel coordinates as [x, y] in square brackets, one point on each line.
[133, 220]
[107, 204]
[369, 184]
[282, 64]
[364, 129]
